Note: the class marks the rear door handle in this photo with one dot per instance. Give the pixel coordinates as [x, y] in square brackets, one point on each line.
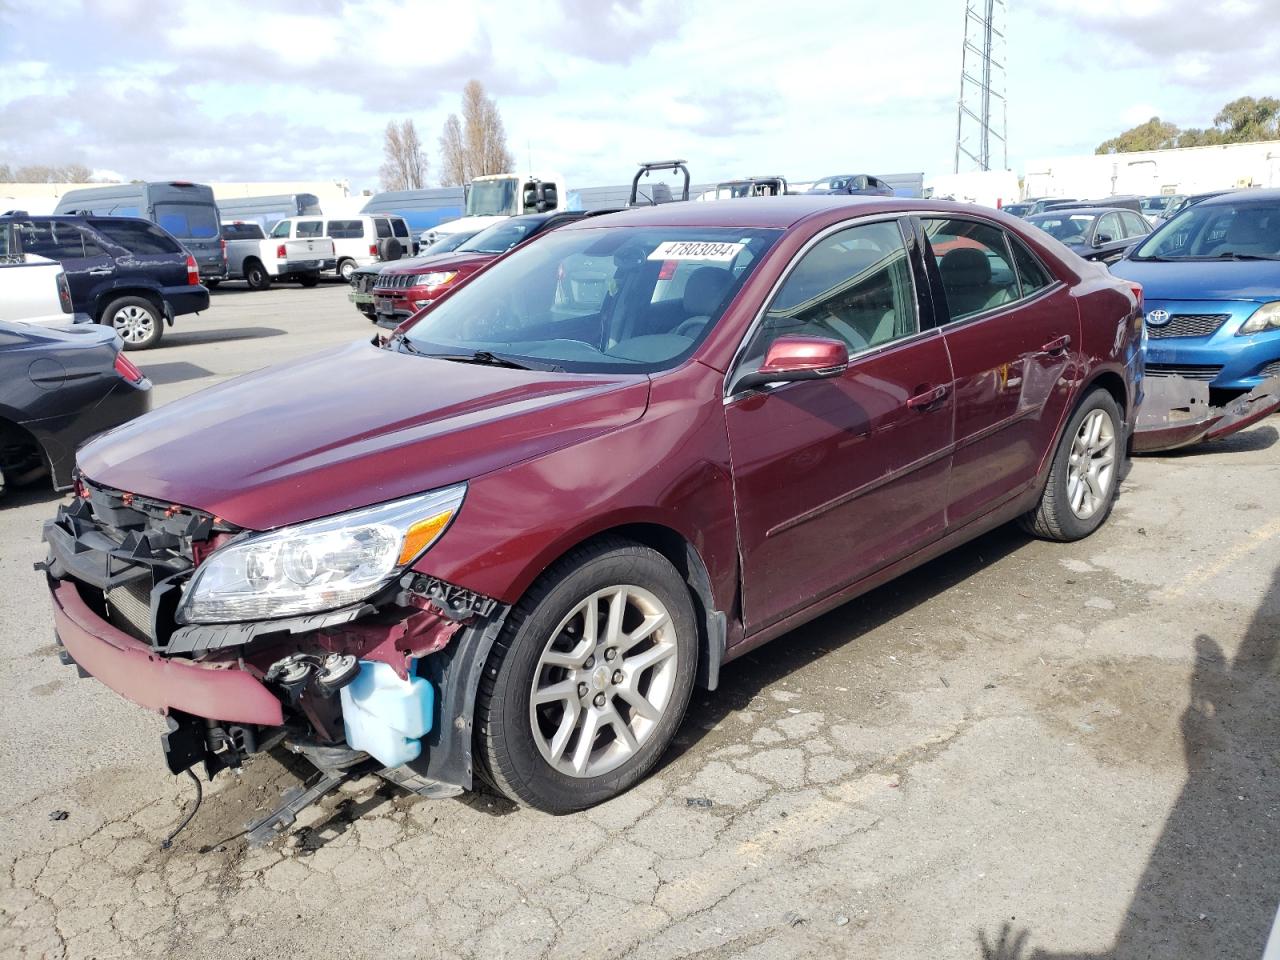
[1058, 346]
[100, 272]
[927, 399]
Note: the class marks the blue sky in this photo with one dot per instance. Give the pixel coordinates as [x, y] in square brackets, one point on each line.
[250, 90]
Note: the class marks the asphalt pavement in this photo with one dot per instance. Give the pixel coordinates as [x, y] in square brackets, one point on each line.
[1021, 750]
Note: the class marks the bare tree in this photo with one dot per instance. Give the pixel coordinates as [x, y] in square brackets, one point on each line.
[405, 165]
[476, 145]
[45, 173]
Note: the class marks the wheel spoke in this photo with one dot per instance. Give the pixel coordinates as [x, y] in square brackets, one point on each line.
[569, 658]
[639, 703]
[565, 731]
[586, 741]
[654, 655]
[1077, 498]
[617, 606]
[655, 621]
[621, 729]
[564, 690]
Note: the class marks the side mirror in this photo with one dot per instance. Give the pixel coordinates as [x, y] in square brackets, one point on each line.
[791, 358]
[1099, 239]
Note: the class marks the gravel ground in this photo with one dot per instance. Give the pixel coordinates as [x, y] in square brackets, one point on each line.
[1021, 750]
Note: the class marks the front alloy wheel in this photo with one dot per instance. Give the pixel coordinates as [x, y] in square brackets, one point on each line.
[589, 678]
[603, 682]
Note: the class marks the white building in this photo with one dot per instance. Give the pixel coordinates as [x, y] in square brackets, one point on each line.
[1149, 172]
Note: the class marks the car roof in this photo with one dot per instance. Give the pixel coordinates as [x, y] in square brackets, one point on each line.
[768, 212]
[1058, 211]
[1240, 196]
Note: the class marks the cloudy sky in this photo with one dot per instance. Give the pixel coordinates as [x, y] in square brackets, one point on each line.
[250, 90]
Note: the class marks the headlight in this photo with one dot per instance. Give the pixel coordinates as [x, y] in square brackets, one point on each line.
[317, 565]
[1266, 317]
[437, 279]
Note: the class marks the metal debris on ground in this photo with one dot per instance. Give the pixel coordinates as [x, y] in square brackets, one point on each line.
[58, 815]
[698, 802]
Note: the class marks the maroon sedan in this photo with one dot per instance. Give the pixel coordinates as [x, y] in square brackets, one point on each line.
[403, 289]
[510, 542]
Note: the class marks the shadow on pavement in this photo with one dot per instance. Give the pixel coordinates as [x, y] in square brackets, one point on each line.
[746, 677]
[176, 372]
[1210, 887]
[187, 338]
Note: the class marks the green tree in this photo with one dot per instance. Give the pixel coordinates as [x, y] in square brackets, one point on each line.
[1243, 120]
[1155, 134]
[1248, 120]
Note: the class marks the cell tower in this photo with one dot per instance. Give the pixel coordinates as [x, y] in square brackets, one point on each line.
[982, 87]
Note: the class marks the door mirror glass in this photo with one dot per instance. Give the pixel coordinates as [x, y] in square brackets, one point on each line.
[791, 358]
[1100, 239]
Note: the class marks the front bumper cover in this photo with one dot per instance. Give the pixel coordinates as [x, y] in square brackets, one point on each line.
[1176, 412]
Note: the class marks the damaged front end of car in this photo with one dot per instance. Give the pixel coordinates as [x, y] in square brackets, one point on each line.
[319, 639]
[1177, 411]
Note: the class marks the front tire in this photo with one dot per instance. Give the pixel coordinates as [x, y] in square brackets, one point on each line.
[137, 321]
[1085, 474]
[589, 680]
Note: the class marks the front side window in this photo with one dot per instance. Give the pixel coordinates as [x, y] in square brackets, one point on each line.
[854, 286]
[973, 260]
[310, 228]
[1218, 231]
[1108, 229]
[189, 220]
[584, 300]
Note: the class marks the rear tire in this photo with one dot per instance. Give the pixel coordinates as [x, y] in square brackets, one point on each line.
[572, 639]
[309, 279]
[1085, 474]
[255, 274]
[137, 321]
[345, 269]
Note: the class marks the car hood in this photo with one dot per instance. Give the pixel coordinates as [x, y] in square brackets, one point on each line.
[441, 261]
[1203, 279]
[352, 427]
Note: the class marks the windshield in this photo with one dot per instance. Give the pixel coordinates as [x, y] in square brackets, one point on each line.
[499, 238]
[1067, 228]
[1155, 204]
[605, 299]
[491, 198]
[449, 242]
[1218, 231]
[1018, 209]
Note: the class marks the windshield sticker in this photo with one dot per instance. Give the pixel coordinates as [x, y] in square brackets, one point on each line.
[696, 250]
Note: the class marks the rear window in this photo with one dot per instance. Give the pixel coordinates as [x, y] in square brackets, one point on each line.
[242, 231]
[136, 236]
[382, 227]
[400, 227]
[188, 219]
[311, 228]
[346, 229]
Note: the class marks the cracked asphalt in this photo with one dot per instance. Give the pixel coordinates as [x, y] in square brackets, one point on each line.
[1021, 750]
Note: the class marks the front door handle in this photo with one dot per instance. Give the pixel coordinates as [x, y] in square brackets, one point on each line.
[927, 399]
[1059, 345]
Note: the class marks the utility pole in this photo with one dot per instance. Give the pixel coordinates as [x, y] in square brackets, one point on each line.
[982, 80]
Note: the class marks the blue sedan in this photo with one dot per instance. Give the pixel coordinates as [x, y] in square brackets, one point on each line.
[1211, 284]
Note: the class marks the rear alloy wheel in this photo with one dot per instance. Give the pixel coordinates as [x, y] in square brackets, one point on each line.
[136, 320]
[589, 680]
[346, 268]
[1085, 475]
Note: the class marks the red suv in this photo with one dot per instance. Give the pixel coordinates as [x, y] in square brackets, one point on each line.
[509, 542]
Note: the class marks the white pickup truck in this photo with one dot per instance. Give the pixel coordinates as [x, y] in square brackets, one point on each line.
[33, 289]
[257, 259]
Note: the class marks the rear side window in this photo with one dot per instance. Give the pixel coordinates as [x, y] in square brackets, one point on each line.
[1134, 225]
[346, 229]
[56, 241]
[195, 220]
[7, 248]
[973, 261]
[310, 228]
[241, 231]
[400, 227]
[382, 227]
[136, 236]
[1031, 272]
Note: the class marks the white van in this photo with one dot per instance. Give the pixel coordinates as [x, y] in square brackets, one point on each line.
[358, 240]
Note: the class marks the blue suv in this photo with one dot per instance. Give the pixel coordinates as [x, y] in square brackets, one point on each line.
[1211, 284]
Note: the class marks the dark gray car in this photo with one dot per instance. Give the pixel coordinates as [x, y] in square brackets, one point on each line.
[1095, 233]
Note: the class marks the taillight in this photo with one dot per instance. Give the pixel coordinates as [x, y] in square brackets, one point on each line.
[999, 203]
[127, 369]
[373, 249]
[280, 254]
[193, 272]
[64, 293]
[224, 250]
